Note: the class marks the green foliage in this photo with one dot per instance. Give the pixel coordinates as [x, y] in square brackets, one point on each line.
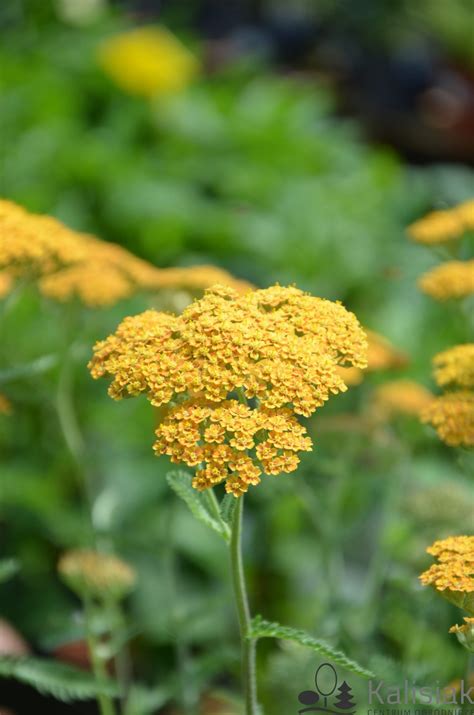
[8, 568]
[265, 629]
[180, 483]
[57, 679]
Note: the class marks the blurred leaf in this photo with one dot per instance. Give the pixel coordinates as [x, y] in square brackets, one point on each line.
[57, 679]
[8, 568]
[265, 629]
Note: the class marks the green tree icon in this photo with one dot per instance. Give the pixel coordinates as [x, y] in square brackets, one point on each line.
[344, 698]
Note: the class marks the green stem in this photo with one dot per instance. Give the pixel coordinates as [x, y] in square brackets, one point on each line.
[105, 702]
[216, 512]
[248, 645]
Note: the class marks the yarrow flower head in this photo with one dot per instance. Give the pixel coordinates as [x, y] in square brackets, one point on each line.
[453, 279]
[441, 226]
[276, 350]
[455, 366]
[453, 574]
[401, 397]
[148, 61]
[452, 415]
[90, 573]
[67, 264]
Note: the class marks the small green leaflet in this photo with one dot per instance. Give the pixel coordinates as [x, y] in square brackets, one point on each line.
[264, 629]
[180, 483]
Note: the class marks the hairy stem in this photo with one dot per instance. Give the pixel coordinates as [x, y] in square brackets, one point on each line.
[105, 702]
[248, 645]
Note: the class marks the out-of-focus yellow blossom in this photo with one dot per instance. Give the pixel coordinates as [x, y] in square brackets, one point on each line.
[453, 574]
[198, 278]
[278, 348]
[5, 405]
[6, 283]
[466, 213]
[441, 226]
[452, 416]
[455, 366]
[453, 279]
[382, 355]
[404, 397]
[70, 264]
[91, 573]
[148, 61]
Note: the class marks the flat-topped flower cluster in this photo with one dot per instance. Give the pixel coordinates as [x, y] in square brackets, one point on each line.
[234, 371]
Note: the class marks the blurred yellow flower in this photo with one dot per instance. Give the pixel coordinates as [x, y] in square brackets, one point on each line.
[453, 574]
[148, 61]
[404, 397]
[455, 366]
[91, 573]
[5, 405]
[382, 355]
[6, 283]
[452, 415]
[441, 226]
[453, 279]
[70, 264]
[278, 349]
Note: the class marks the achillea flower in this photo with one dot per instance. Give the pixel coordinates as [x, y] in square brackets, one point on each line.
[5, 405]
[441, 226]
[455, 366]
[453, 279]
[277, 348]
[94, 574]
[452, 415]
[453, 574]
[148, 61]
[70, 264]
[404, 397]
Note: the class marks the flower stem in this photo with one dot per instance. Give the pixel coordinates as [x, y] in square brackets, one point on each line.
[248, 645]
[105, 703]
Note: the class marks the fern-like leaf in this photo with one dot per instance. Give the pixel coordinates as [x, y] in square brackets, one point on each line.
[180, 483]
[48, 677]
[264, 629]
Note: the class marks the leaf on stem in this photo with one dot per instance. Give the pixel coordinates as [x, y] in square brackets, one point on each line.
[180, 483]
[265, 629]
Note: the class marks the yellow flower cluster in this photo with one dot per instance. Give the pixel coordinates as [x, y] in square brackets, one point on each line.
[5, 405]
[453, 279]
[70, 264]
[455, 366]
[452, 415]
[404, 397]
[278, 348]
[96, 574]
[148, 61]
[230, 437]
[441, 226]
[453, 574]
